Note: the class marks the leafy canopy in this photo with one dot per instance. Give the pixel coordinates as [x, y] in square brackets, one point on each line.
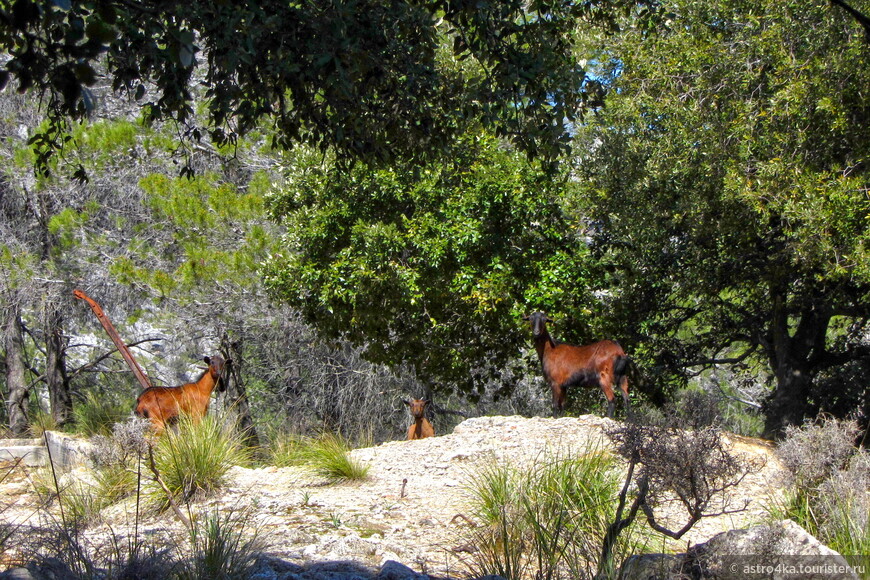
[729, 176]
[431, 266]
[371, 79]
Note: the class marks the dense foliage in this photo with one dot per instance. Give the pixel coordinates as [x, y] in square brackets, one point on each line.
[716, 213]
[370, 79]
[728, 180]
[431, 266]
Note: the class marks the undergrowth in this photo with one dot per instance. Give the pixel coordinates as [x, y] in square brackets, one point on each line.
[326, 455]
[547, 519]
[830, 478]
[193, 459]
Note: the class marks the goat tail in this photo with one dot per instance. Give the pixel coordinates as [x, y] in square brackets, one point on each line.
[620, 367]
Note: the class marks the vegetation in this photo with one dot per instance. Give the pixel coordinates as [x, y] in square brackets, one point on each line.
[830, 478]
[547, 519]
[193, 459]
[725, 190]
[325, 455]
[224, 546]
[356, 202]
[97, 416]
[367, 80]
[442, 260]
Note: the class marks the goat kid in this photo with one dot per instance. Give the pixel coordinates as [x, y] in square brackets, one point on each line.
[601, 364]
[421, 427]
[163, 405]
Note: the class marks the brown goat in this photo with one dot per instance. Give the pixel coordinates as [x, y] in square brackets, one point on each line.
[421, 427]
[162, 405]
[600, 364]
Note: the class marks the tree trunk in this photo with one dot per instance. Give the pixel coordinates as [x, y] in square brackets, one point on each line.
[236, 394]
[788, 404]
[55, 368]
[793, 358]
[16, 380]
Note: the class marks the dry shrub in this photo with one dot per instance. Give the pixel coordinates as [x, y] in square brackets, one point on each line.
[815, 451]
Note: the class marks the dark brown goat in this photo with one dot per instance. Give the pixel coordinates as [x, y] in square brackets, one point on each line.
[600, 364]
[421, 427]
[162, 405]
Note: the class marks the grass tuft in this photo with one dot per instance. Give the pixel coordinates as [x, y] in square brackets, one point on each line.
[548, 519]
[194, 458]
[221, 548]
[326, 456]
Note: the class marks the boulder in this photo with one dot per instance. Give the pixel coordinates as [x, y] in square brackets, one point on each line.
[777, 551]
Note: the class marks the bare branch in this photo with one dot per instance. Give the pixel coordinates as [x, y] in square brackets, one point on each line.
[862, 19]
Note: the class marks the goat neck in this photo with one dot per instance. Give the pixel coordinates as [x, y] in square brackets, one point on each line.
[542, 341]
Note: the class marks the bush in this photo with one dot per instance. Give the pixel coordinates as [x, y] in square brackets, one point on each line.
[830, 481]
[815, 451]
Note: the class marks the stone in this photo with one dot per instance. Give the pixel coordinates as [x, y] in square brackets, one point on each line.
[392, 570]
[777, 551]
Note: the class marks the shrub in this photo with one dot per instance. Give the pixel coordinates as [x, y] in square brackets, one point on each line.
[815, 451]
[830, 481]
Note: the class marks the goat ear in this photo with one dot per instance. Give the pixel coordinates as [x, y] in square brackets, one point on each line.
[207, 360]
[526, 317]
[406, 402]
[548, 319]
[427, 401]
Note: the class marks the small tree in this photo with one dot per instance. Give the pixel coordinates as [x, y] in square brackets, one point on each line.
[669, 464]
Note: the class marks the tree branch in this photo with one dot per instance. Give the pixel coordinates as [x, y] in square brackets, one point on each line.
[862, 19]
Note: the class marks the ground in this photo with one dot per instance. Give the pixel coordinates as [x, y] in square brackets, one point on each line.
[413, 508]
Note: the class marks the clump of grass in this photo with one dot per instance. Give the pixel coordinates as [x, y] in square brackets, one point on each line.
[42, 422]
[286, 449]
[95, 415]
[194, 458]
[550, 517]
[325, 455]
[224, 545]
[114, 483]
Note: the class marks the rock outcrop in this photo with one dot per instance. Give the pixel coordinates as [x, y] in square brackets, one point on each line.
[779, 551]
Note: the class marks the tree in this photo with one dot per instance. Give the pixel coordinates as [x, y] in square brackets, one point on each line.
[727, 184]
[371, 80]
[430, 266]
[17, 388]
[686, 474]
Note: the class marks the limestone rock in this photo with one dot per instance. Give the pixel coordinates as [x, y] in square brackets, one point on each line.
[779, 551]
